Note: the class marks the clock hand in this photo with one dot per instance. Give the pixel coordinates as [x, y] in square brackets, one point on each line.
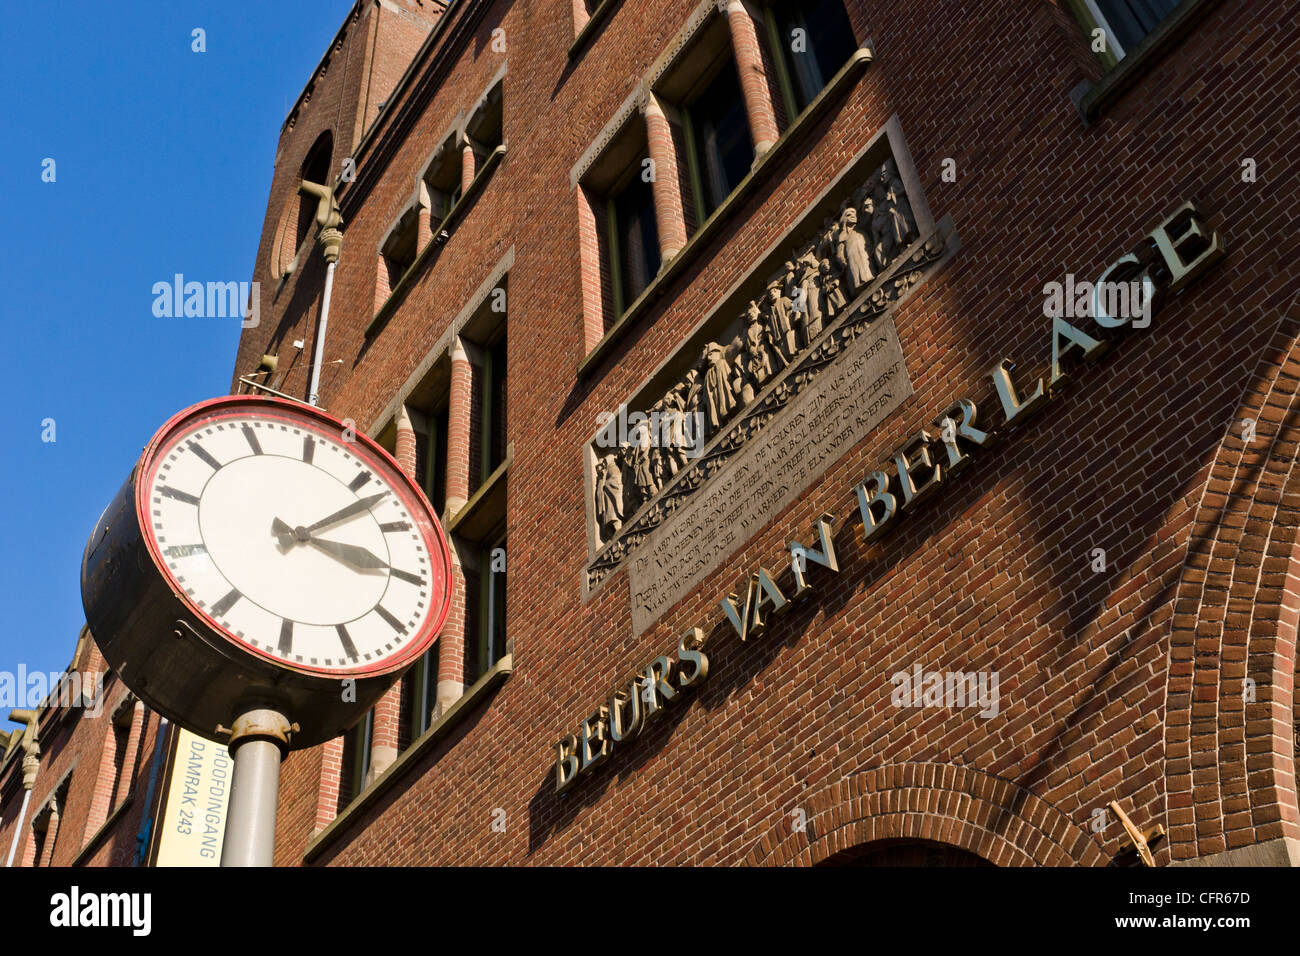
[284, 533]
[362, 504]
[351, 554]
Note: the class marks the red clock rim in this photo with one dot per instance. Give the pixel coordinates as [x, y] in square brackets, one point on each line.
[413, 498]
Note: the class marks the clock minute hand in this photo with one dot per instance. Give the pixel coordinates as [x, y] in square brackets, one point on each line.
[351, 554]
[358, 506]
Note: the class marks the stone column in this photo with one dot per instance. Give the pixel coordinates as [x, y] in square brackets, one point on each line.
[424, 225]
[383, 738]
[101, 800]
[331, 776]
[753, 75]
[669, 217]
[451, 643]
[459, 411]
[388, 710]
[128, 753]
[593, 313]
[468, 167]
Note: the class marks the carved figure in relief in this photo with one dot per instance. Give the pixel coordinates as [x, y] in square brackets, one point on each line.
[673, 432]
[831, 289]
[609, 497]
[813, 287]
[756, 361]
[892, 195]
[717, 385]
[780, 322]
[825, 245]
[810, 288]
[851, 250]
[643, 463]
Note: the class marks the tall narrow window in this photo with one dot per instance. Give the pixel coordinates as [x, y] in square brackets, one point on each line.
[442, 180]
[619, 189]
[419, 696]
[718, 138]
[356, 760]
[397, 253]
[431, 458]
[493, 442]
[812, 39]
[487, 617]
[633, 239]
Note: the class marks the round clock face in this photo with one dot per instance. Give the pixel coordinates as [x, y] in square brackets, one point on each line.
[302, 546]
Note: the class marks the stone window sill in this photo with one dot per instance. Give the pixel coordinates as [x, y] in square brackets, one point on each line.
[478, 516]
[434, 246]
[835, 90]
[591, 27]
[484, 686]
[1106, 92]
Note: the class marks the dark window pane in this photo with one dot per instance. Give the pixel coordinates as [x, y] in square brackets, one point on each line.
[495, 425]
[356, 760]
[724, 150]
[816, 39]
[1132, 20]
[638, 237]
[431, 460]
[497, 636]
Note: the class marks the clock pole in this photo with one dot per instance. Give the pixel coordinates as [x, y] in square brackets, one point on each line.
[258, 742]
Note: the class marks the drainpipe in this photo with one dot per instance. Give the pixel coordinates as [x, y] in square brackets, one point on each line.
[31, 764]
[330, 239]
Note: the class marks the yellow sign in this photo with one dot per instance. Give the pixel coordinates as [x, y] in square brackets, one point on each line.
[193, 820]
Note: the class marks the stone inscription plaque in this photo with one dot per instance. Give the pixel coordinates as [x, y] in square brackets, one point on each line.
[846, 401]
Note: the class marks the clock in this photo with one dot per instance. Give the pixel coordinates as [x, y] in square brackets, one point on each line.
[263, 555]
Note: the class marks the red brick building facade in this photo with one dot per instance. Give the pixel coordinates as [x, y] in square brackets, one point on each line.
[838, 248]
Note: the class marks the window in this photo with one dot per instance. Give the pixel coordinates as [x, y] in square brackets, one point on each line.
[480, 527]
[492, 409]
[483, 129]
[619, 192]
[810, 41]
[442, 180]
[719, 147]
[485, 642]
[356, 760]
[397, 254]
[1126, 23]
[315, 169]
[633, 240]
[121, 736]
[431, 456]
[299, 212]
[419, 696]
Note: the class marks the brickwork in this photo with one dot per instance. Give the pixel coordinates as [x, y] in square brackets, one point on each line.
[1161, 678]
[78, 768]
[1121, 684]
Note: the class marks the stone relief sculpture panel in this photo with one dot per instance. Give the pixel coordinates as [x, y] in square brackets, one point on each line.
[873, 226]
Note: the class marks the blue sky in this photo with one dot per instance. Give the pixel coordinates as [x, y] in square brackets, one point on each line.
[163, 163]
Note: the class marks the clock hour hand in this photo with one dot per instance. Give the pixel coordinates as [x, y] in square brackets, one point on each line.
[358, 506]
[351, 554]
[284, 533]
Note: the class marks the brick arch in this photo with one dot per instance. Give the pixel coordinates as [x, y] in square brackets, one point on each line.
[1230, 762]
[958, 806]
